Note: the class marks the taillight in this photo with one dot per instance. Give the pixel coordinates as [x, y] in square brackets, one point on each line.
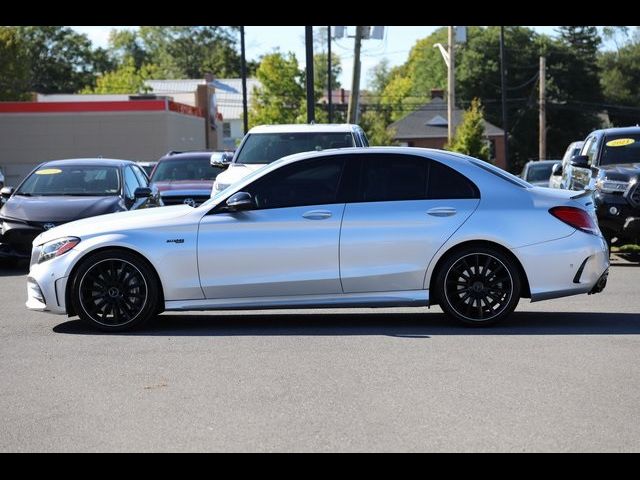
[575, 217]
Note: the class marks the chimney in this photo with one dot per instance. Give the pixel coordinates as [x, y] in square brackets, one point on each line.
[437, 93]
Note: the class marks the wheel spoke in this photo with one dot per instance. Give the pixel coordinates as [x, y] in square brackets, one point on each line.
[477, 286]
[113, 292]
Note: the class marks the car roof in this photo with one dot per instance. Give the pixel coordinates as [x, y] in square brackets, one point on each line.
[542, 162]
[618, 131]
[302, 128]
[187, 155]
[106, 162]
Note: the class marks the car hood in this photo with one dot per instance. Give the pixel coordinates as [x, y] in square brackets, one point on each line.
[117, 222]
[190, 185]
[621, 171]
[540, 183]
[237, 171]
[58, 209]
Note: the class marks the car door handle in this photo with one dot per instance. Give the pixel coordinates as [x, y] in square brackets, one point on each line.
[317, 214]
[442, 211]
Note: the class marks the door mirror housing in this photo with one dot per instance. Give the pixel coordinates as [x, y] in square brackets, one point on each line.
[240, 201]
[557, 169]
[6, 192]
[142, 192]
[580, 161]
[221, 159]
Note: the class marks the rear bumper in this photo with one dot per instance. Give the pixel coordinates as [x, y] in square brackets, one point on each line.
[568, 266]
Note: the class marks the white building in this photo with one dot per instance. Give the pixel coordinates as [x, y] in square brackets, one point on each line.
[228, 97]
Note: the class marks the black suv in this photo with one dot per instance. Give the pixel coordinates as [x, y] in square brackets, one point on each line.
[609, 163]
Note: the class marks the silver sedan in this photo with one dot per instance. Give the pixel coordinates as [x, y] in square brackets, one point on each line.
[376, 227]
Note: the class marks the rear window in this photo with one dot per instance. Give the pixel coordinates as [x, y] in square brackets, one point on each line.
[538, 172]
[263, 148]
[185, 169]
[498, 172]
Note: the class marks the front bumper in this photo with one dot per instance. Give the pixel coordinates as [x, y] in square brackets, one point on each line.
[567, 266]
[616, 215]
[47, 283]
[16, 239]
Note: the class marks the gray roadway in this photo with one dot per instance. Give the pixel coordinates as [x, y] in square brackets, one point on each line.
[562, 375]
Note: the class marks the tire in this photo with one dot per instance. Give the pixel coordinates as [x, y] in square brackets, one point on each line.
[115, 291]
[478, 286]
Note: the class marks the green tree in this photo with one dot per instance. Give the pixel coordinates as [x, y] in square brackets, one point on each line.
[620, 81]
[127, 45]
[14, 72]
[571, 109]
[281, 96]
[470, 137]
[573, 89]
[59, 59]
[376, 128]
[126, 79]
[182, 51]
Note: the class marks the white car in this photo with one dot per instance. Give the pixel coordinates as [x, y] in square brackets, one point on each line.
[555, 180]
[376, 227]
[267, 143]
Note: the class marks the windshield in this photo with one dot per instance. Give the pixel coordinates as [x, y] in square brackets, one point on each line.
[539, 172]
[621, 149]
[79, 180]
[185, 169]
[268, 147]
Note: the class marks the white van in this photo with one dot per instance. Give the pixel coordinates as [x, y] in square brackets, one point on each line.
[267, 143]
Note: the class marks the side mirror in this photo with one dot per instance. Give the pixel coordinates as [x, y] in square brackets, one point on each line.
[580, 161]
[142, 192]
[6, 192]
[221, 159]
[240, 201]
[557, 169]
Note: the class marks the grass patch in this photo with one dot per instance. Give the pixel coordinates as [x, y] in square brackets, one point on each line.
[627, 249]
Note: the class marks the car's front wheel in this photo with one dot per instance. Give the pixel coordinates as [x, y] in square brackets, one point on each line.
[115, 290]
[478, 286]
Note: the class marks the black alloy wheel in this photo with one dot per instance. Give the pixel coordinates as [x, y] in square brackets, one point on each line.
[115, 291]
[479, 286]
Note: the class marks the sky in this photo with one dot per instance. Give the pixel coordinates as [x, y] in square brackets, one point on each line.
[259, 40]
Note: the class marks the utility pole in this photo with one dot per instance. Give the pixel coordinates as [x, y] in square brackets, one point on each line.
[329, 87]
[503, 88]
[451, 85]
[308, 36]
[243, 71]
[352, 112]
[543, 110]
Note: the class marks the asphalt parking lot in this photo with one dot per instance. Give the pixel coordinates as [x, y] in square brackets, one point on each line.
[560, 375]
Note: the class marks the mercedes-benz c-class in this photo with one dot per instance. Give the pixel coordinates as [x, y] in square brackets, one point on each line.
[376, 227]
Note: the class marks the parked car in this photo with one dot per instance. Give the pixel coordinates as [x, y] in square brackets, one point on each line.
[185, 177]
[555, 180]
[62, 191]
[147, 167]
[609, 163]
[1, 179]
[355, 227]
[267, 143]
[538, 172]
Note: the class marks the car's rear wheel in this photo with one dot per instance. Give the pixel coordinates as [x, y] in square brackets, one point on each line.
[114, 291]
[478, 286]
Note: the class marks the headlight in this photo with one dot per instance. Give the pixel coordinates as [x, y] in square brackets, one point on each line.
[611, 186]
[218, 187]
[57, 247]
